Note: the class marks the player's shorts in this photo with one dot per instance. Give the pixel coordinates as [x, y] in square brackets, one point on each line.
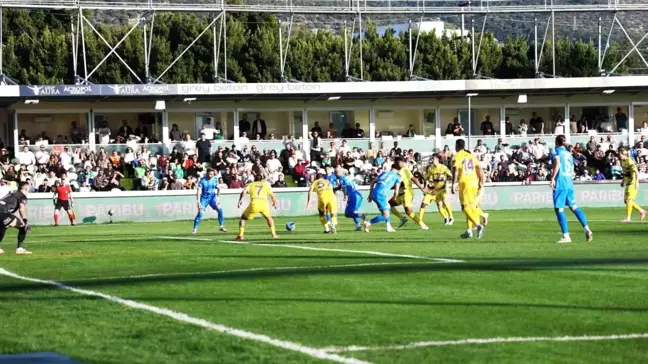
[6, 218]
[210, 201]
[380, 198]
[563, 198]
[435, 196]
[405, 198]
[62, 204]
[468, 194]
[631, 192]
[252, 211]
[327, 205]
[354, 202]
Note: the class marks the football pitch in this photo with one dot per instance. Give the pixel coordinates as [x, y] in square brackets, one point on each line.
[154, 293]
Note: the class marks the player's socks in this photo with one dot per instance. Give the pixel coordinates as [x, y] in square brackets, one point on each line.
[562, 221]
[377, 219]
[328, 217]
[449, 212]
[324, 220]
[421, 213]
[56, 216]
[356, 220]
[221, 217]
[197, 220]
[334, 220]
[580, 215]
[22, 234]
[396, 213]
[443, 212]
[415, 217]
[71, 219]
[241, 231]
[472, 216]
[272, 230]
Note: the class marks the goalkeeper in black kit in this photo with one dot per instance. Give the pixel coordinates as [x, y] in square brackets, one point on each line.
[9, 205]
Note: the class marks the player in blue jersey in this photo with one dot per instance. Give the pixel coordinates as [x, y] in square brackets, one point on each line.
[562, 184]
[352, 196]
[207, 195]
[335, 183]
[378, 191]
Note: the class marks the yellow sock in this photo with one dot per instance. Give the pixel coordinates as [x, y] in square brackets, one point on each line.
[628, 209]
[414, 217]
[421, 213]
[636, 206]
[396, 213]
[272, 230]
[334, 219]
[472, 215]
[442, 211]
[241, 230]
[448, 210]
[323, 220]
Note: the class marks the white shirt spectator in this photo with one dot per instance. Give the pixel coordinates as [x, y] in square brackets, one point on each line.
[273, 165]
[209, 131]
[292, 161]
[539, 151]
[145, 154]
[232, 158]
[523, 129]
[129, 157]
[66, 159]
[188, 146]
[104, 135]
[344, 149]
[27, 158]
[42, 157]
[481, 149]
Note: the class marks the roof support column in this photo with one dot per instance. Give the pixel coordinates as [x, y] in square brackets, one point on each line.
[15, 133]
[502, 122]
[566, 125]
[304, 135]
[372, 124]
[437, 127]
[91, 130]
[165, 128]
[236, 126]
[631, 125]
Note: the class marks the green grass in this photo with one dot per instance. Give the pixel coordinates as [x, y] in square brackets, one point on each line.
[515, 282]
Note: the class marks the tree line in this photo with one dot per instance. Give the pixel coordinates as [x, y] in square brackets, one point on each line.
[37, 50]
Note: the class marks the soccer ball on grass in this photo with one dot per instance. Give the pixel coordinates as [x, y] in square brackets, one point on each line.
[290, 226]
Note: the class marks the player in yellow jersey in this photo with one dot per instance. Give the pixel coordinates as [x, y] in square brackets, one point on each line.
[405, 196]
[436, 177]
[469, 178]
[631, 184]
[259, 191]
[326, 202]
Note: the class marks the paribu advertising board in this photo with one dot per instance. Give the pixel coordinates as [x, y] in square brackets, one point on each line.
[181, 205]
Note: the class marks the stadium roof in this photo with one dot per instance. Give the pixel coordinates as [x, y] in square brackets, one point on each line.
[345, 90]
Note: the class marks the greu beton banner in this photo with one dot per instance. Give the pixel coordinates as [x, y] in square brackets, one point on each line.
[150, 206]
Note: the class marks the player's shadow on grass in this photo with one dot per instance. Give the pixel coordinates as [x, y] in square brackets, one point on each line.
[527, 265]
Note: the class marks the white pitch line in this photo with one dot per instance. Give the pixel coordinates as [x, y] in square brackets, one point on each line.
[494, 340]
[368, 252]
[259, 269]
[312, 352]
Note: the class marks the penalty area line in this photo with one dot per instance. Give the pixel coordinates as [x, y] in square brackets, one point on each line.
[312, 352]
[289, 246]
[494, 340]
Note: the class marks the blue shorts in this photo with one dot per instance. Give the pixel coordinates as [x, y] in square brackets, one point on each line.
[381, 200]
[354, 202]
[563, 198]
[210, 201]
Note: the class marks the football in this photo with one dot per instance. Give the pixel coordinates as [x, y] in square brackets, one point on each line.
[290, 226]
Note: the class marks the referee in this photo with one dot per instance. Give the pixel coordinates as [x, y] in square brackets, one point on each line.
[63, 200]
[9, 205]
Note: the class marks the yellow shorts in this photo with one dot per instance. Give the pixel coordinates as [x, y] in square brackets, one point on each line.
[252, 211]
[327, 205]
[468, 194]
[631, 192]
[435, 196]
[406, 198]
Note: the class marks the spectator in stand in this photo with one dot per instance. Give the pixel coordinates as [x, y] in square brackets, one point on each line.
[316, 147]
[537, 124]
[523, 128]
[560, 127]
[175, 133]
[188, 145]
[316, 128]
[259, 127]
[125, 131]
[358, 132]
[76, 134]
[621, 120]
[411, 133]
[104, 133]
[208, 129]
[244, 125]
[573, 124]
[396, 150]
[203, 146]
[26, 157]
[457, 129]
[42, 156]
[508, 126]
[487, 127]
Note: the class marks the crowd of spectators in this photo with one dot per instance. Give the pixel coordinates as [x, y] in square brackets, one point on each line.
[137, 168]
